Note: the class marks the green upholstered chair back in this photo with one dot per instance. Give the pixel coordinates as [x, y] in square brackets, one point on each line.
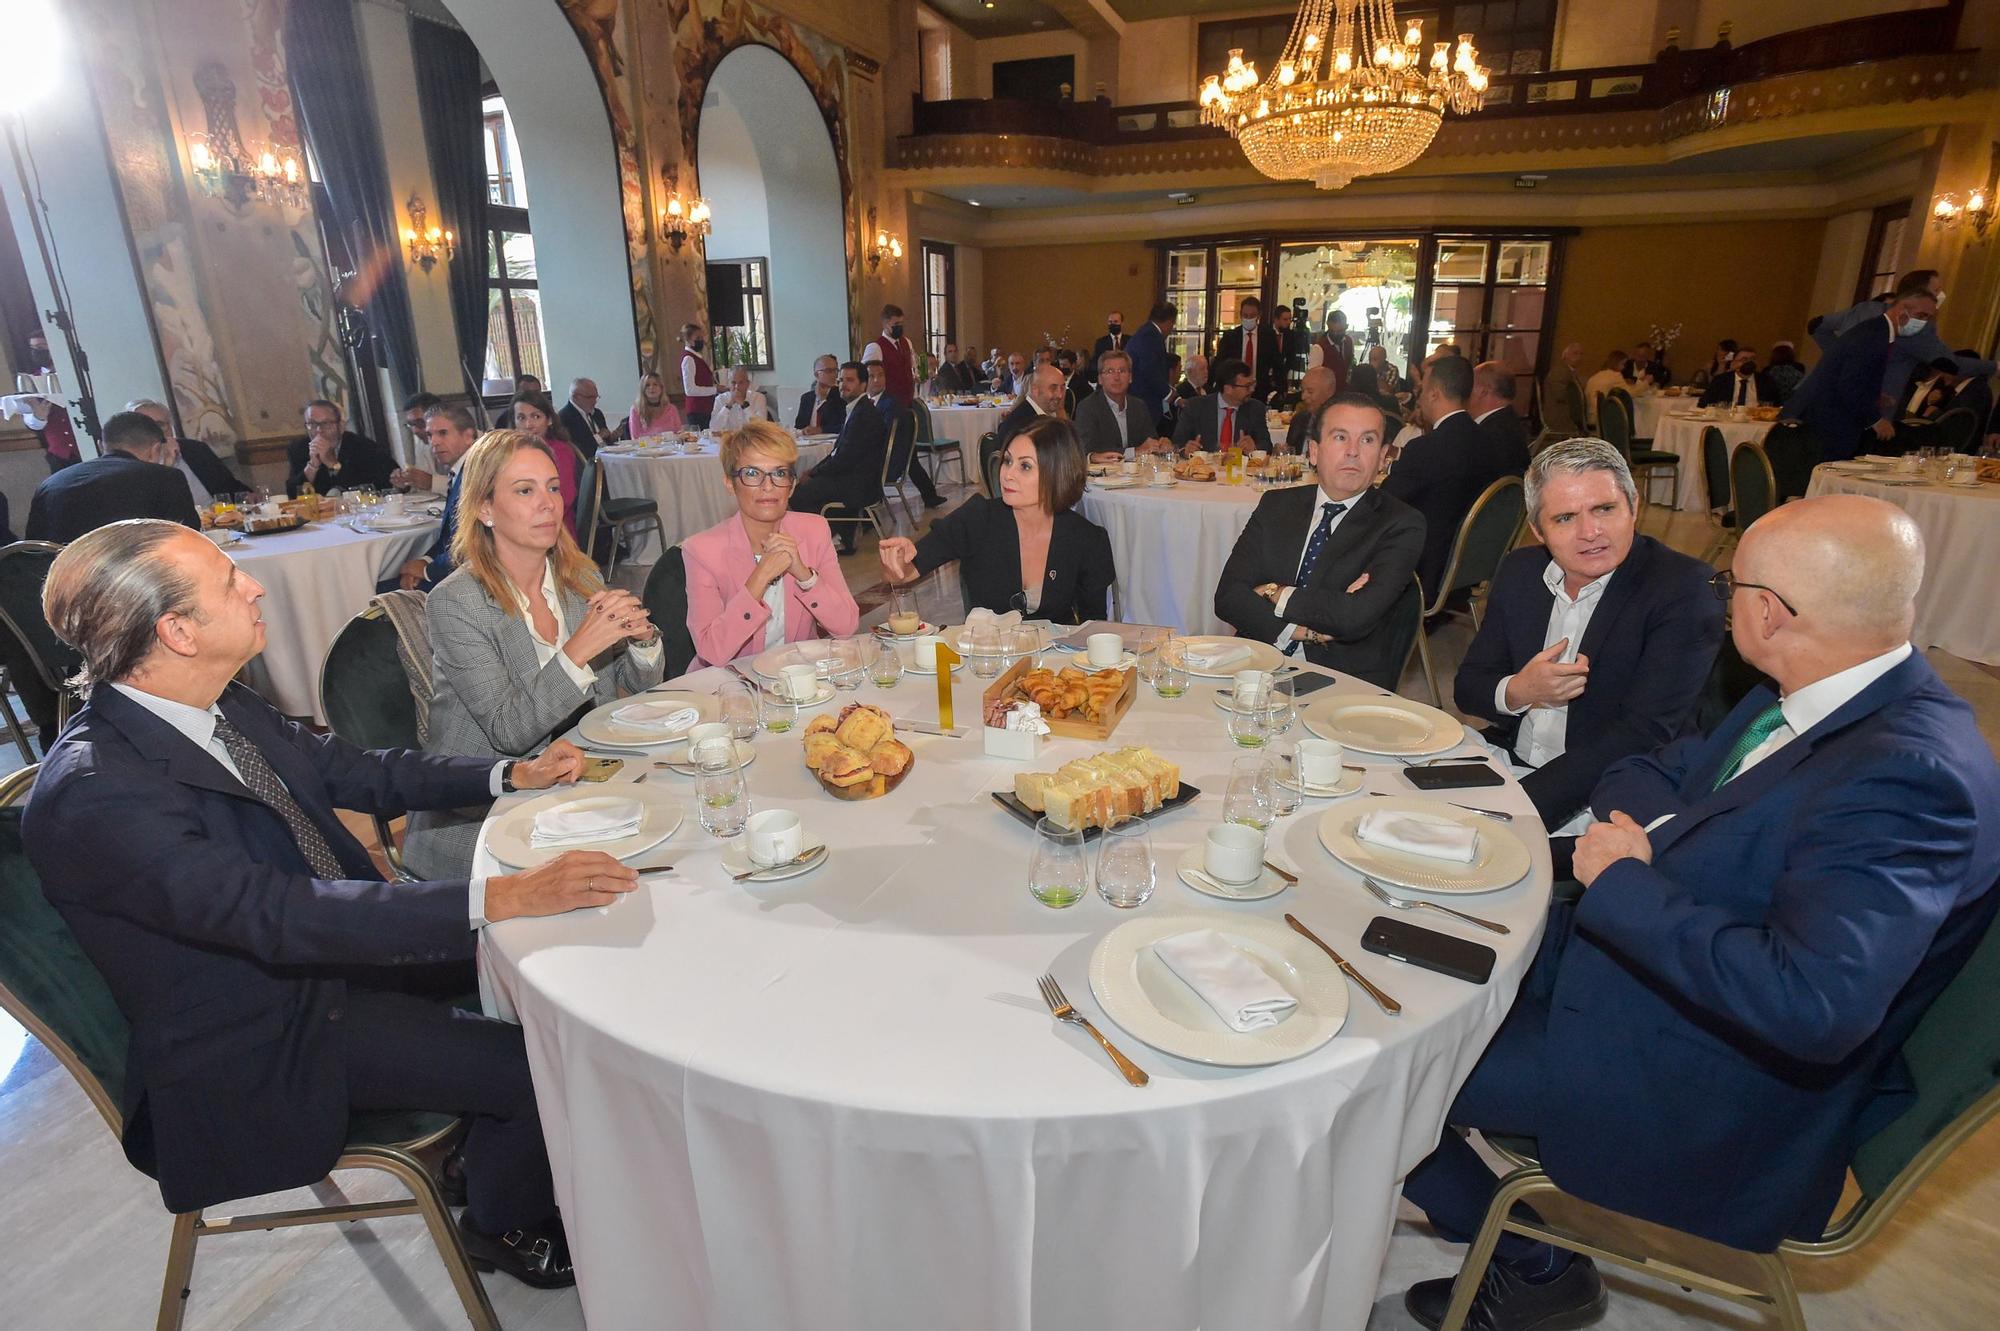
[1624, 399]
[1614, 422]
[1406, 626]
[1955, 429]
[1573, 393]
[364, 689]
[1752, 485]
[922, 411]
[1793, 452]
[666, 600]
[1486, 535]
[1954, 1056]
[1715, 467]
[46, 981]
[24, 567]
[990, 459]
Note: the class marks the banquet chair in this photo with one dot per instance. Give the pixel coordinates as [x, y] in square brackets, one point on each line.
[368, 695]
[14, 731]
[52, 989]
[876, 512]
[1953, 1058]
[1623, 396]
[24, 567]
[1752, 487]
[935, 448]
[1793, 451]
[623, 518]
[1647, 464]
[1483, 540]
[989, 463]
[896, 464]
[666, 600]
[1955, 429]
[1715, 471]
[1406, 631]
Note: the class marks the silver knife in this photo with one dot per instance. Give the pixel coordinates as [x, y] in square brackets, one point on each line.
[927, 728]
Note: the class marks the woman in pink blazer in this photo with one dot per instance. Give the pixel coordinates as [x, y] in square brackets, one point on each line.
[767, 575]
[651, 412]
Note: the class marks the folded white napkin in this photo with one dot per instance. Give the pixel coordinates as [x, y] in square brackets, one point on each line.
[666, 717]
[1215, 655]
[1413, 834]
[1229, 982]
[981, 617]
[586, 822]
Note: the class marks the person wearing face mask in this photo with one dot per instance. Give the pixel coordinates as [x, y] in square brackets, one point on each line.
[698, 387]
[1253, 343]
[1843, 400]
[1113, 340]
[1743, 385]
[896, 356]
[1914, 346]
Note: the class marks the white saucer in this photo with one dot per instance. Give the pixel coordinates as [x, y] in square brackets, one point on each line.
[1125, 662]
[1349, 783]
[883, 631]
[736, 859]
[746, 753]
[1268, 884]
[825, 694]
[931, 668]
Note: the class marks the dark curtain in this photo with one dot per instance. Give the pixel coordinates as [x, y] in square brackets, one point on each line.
[448, 91]
[330, 89]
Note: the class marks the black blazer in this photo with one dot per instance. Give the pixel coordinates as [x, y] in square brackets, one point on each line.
[1651, 642]
[1439, 474]
[1379, 536]
[96, 491]
[864, 438]
[1269, 371]
[209, 468]
[362, 462]
[1202, 419]
[1721, 391]
[957, 377]
[228, 958]
[1097, 426]
[982, 536]
[832, 413]
[1018, 418]
[1506, 441]
[581, 429]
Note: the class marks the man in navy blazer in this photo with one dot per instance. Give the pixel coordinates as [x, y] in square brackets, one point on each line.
[1711, 1030]
[186, 832]
[1595, 643]
[134, 479]
[1148, 350]
[1842, 399]
[848, 479]
[452, 433]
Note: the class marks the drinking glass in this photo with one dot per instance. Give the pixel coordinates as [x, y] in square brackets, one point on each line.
[1248, 800]
[738, 708]
[1287, 786]
[1022, 644]
[1059, 872]
[983, 649]
[1170, 679]
[720, 789]
[1148, 650]
[775, 712]
[1125, 876]
[887, 669]
[1279, 709]
[850, 663]
[1250, 726]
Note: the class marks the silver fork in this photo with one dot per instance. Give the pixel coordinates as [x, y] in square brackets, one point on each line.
[1376, 890]
[1060, 1009]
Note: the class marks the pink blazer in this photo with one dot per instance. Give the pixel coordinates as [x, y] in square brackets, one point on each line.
[665, 422]
[726, 621]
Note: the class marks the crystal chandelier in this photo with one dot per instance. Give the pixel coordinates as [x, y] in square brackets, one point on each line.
[1349, 97]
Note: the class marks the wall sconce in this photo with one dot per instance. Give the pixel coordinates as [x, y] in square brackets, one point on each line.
[886, 246]
[426, 244]
[683, 222]
[1975, 208]
[224, 167]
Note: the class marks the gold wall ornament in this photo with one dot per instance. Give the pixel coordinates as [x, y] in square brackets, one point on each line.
[426, 244]
[1352, 94]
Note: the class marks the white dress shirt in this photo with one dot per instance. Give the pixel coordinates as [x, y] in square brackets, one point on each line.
[196, 489]
[1743, 390]
[1544, 730]
[1118, 414]
[774, 601]
[1284, 638]
[733, 415]
[545, 651]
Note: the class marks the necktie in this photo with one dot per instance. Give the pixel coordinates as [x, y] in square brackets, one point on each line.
[440, 558]
[1759, 730]
[1227, 437]
[1740, 382]
[1327, 513]
[263, 782]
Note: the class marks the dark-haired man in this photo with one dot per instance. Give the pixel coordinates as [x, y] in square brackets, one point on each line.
[1229, 417]
[135, 478]
[848, 479]
[1148, 349]
[1920, 345]
[1257, 346]
[331, 458]
[1441, 473]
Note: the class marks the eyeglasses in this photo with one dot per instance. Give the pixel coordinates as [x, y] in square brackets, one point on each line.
[1725, 584]
[753, 477]
[317, 426]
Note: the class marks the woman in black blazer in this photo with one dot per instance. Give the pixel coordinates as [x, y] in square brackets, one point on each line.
[1026, 550]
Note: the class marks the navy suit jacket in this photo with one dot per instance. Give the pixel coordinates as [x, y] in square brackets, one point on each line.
[1724, 1023]
[864, 438]
[1651, 642]
[1843, 395]
[1202, 419]
[438, 557]
[1440, 474]
[227, 957]
[1148, 349]
[101, 490]
[816, 417]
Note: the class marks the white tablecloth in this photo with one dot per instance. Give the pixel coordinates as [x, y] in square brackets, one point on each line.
[315, 580]
[1961, 530]
[1682, 435]
[1169, 546]
[689, 488]
[965, 424]
[837, 1104]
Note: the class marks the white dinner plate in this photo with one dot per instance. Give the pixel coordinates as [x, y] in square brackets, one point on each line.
[736, 859]
[1149, 1002]
[1396, 727]
[598, 728]
[507, 835]
[1268, 882]
[1263, 656]
[1113, 482]
[769, 663]
[1500, 860]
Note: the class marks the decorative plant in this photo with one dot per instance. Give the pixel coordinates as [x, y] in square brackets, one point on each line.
[1663, 338]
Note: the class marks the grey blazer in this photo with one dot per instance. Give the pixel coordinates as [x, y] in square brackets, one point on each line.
[493, 701]
[1097, 424]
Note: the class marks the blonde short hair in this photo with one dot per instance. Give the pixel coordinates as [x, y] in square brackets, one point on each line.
[757, 437]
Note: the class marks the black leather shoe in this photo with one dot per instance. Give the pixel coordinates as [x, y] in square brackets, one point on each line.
[933, 501]
[537, 1255]
[1506, 1302]
[451, 1176]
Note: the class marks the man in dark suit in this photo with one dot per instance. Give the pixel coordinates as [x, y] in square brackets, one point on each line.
[1908, 353]
[1228, 417]
[206, 473]
[1743, 386]
[1839, 402]
[132, 480]
[1041, 395]
[582, 421]
[955, 375]
[1254, 343]
[821, 407]
[1596, 643]
[1491, 407]
[1441, 473]
[1708, 1032]
[1114, 419]
[452, 434]
[1148, 349]
[1113, 340]
[265, 968]
[1314, 390]
[848, 479]
[330, 457]
[1323, 567]
[1292, 344]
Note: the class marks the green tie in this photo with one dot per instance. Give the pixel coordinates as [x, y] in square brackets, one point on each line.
[1760, 728]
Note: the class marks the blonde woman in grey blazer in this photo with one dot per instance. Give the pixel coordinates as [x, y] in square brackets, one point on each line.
[524, 635]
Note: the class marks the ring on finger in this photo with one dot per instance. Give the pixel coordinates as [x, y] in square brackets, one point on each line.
[590, 884]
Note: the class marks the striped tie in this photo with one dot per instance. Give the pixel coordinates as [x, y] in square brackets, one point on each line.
[1327, 514]
[262, 779]
[1760, 729]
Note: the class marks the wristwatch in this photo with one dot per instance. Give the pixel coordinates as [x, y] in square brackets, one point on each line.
[507, 786]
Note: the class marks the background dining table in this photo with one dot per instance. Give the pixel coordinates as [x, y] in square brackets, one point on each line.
[965, 425]
[688, 487]
[836, 1102]
[1681, 434]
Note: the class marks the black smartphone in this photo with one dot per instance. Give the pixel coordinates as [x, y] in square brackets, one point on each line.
[1302, 684]
[1443, 953]
[1453, 776]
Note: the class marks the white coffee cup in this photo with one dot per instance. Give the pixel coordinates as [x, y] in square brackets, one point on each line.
[1104, 649]
[1233, 853]
[800, 682]
[709, 732]
[920, 652]
[1130, 466]
[1319, 762]
[773, 836]
[1249, 687]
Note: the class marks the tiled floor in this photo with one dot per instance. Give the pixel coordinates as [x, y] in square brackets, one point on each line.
[86, 1237]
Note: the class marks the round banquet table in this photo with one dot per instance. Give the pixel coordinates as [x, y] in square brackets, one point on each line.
[1648, 408]
[1961, 528]
[688, 487]
[1681, 434]
[965, 424]
[315, 580]
[1169, 546]
[837, 1103]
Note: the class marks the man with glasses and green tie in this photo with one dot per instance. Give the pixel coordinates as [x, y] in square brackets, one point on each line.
[1714, 1024]
[331, 457]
